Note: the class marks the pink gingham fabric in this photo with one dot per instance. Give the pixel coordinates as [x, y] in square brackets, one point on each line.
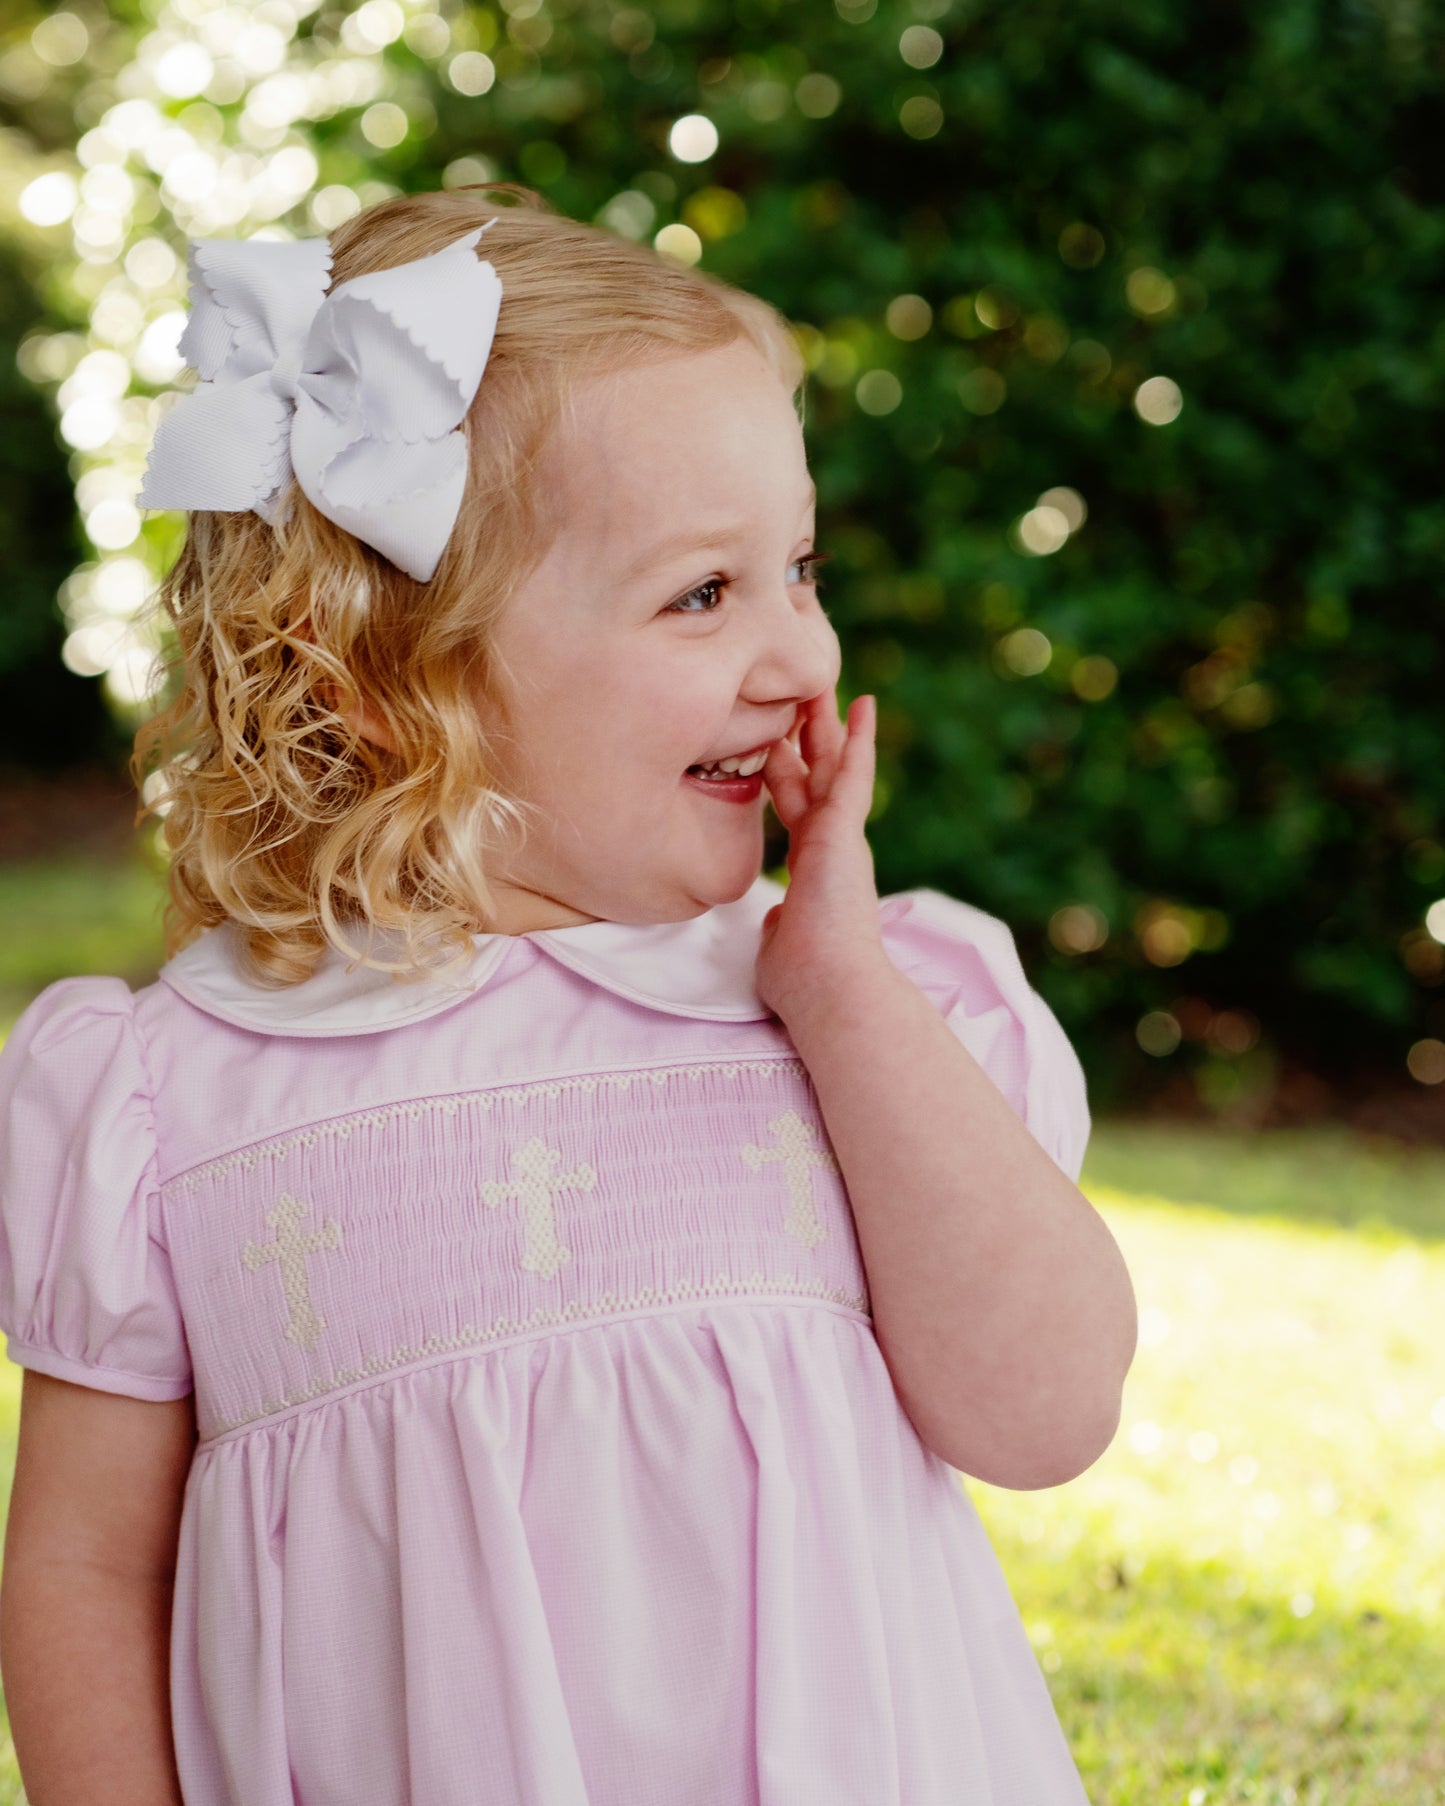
[547, 1455]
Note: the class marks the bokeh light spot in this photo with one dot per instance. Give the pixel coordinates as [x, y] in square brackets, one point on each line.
[921, 116]
[1158, 400]
[468, 172]
[60, 40]
[680, 242]
[1165, 934]
[878, 392]
[1041, 531]
[333, 205]
[1149, 291]
[996, 307]
[1426, 1061]
[908, 316]
[1157, 1033]
[817, 96]
[50, 199]
[385, 125]
[158, 357]
[183, 70]
[471, 73]
[151, 263]
[693, 138]
[1078, 928]
[1093, 678]
[112, 525]
[1069, 503]
[1026, 651]
[920, 46]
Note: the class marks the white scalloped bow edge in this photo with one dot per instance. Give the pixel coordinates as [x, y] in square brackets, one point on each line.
[358, 394]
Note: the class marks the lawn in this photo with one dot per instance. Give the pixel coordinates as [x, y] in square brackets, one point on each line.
[1244, 1599]
[76, 914]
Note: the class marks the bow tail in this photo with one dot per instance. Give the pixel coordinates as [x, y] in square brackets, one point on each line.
[400, 498]
[223, 446]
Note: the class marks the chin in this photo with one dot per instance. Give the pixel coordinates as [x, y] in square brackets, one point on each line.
[739, 888]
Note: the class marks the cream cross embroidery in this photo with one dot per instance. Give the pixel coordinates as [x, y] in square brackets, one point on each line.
[797, 1157]
[534, 1161]
[290, 1249]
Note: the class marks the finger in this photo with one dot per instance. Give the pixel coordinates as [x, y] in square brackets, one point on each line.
[824, 737]
[786, 776]
[857, 767]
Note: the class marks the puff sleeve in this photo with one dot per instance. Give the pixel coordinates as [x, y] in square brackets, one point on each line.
[965, 962]
[86, 1291]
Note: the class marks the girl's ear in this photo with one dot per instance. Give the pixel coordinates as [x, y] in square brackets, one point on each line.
[360, 717]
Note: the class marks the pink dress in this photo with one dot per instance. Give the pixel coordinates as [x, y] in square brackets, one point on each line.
[546, 1456]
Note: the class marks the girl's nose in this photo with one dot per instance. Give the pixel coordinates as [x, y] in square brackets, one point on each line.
[805, 651]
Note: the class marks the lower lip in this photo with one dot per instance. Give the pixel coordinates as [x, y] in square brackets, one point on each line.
[729, 790]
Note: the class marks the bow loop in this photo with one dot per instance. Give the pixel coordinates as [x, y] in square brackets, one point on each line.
[359, 394]
[252, 301]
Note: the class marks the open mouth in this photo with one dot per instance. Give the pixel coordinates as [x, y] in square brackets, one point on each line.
[743, 785]
[740, 765]
[727, 789]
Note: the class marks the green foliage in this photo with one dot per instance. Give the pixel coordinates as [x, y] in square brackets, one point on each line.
[1241, 199]
[1195, 754]
[48, 716]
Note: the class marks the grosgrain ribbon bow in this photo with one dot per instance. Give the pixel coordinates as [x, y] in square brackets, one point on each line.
[357, 394]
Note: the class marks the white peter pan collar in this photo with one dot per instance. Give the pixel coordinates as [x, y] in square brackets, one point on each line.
[701, 967]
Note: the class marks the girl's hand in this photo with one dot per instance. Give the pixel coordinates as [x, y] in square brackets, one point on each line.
[827, 924]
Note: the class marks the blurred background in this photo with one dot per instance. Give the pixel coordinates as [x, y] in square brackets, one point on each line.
[1127, 367]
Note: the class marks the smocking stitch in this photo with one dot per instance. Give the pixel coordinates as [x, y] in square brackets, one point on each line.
[485, 1096]
[289, 1251]
[797, 1159]
[534, 1161]
[470, 1336]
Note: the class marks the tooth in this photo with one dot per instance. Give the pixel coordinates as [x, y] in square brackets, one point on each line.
[737, 766]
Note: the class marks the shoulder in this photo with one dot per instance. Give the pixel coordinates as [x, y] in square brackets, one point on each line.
[936, 935]
[966, 962]
[74, 1060]
[85, 1289]
[74, 1019]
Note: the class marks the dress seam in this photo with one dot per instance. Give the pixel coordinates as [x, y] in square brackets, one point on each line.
[452, 1356]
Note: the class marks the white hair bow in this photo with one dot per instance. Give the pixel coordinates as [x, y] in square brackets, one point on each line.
[357, 394]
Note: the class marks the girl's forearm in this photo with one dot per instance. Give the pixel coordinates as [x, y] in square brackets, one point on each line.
[85, 1664]
[1000, 1300]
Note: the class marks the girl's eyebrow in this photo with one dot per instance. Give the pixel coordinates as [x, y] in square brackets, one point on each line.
[691, 539]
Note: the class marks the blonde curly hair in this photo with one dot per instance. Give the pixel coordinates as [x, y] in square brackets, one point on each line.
[277, 815]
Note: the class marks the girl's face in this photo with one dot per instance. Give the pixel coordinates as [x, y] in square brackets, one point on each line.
[671, 622]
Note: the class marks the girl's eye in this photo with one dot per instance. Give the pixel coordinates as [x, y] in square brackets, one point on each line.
[809, 563]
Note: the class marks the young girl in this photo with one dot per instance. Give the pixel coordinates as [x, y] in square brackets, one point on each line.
[503, 1310]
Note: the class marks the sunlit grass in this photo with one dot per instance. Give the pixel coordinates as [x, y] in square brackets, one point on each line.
[1244, 1599]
